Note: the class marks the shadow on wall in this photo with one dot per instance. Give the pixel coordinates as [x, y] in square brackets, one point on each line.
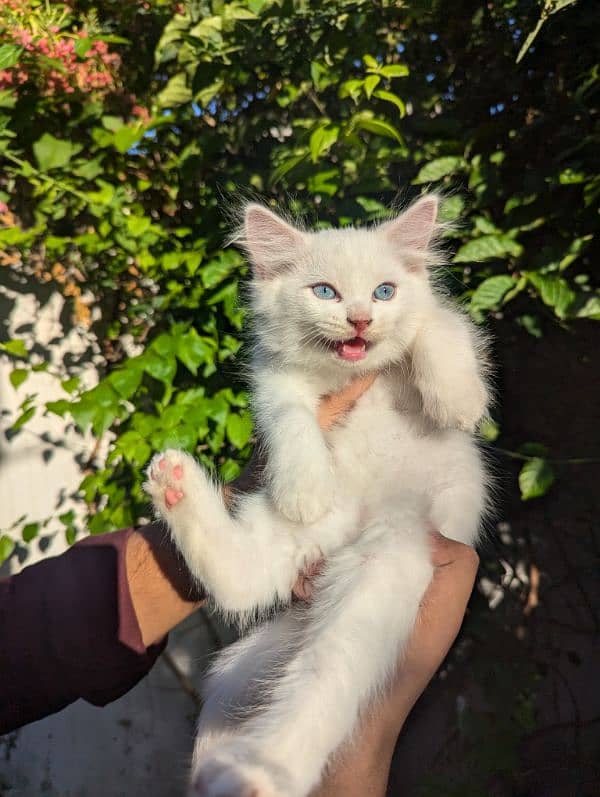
[41, 464]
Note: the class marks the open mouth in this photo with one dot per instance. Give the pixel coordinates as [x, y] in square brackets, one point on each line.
[352, 350]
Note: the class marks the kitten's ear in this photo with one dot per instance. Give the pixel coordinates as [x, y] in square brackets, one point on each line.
[271, 243]
[412, 231]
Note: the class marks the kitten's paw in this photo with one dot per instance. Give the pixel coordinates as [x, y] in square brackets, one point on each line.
[459, 405]
[170, 476]
[238, 771]
[304, 494]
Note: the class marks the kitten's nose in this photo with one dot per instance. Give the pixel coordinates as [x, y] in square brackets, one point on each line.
[360, 324]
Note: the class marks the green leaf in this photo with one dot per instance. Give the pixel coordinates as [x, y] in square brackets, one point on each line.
[133, 447]
[591, 309]
[7, 546]
[67, 518]
[325, 182]
[30, 532]
[388, 96]
[70, 385]
[173, 32]
[351, 88]
[489, 430]
[126, 137]
[535, 478]
[531, 324]
[9, 55]
[451, 208]
[371, 84]
[58, 407]
[138, 225]
[554, 291]
[165, 344]
[234, 11]
[70, 535]
[160, 368]
[321, 140]
[491, 292]
[104, 195]
[89, 169]
[18, 376]
[175, 93]
[530, 449]
[219, 267]
[194, 350]
[394, 70]
[183, 436]
[239, 429]
[438, 168]
[8, 99]
[488, 247]
[377, 126]
[207, 93]
[16, 347]
[82, 46]
[23, 418]
[126, 380]
[52, 153]
[229, 470]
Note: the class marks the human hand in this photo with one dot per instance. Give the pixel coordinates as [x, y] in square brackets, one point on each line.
[363, 766]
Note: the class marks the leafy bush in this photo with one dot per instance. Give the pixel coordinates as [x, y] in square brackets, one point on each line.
[124, 128]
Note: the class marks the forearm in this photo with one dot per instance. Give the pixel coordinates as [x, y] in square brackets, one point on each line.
[68, 630]
[362, 767]
[162, 591]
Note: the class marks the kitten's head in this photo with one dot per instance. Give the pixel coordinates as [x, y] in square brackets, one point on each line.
[347, 298]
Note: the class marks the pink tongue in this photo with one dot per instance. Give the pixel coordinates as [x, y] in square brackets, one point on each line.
[354, 349]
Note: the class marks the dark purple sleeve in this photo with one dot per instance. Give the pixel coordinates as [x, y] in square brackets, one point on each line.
[68, 630]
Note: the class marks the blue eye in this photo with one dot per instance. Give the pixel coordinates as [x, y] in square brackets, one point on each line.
[324, 291]
[384, 292]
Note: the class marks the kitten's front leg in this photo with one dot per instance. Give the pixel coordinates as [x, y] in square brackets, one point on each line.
[299, 467]
[244, 565]
[447, 372]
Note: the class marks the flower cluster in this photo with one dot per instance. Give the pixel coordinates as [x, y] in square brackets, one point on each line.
[57, 62]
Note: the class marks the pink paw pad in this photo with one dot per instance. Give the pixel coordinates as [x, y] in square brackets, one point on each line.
[172, 496]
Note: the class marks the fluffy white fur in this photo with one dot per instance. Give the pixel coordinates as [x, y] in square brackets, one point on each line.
[281, 701]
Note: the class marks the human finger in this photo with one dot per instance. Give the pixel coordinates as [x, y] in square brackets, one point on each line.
[335, 405]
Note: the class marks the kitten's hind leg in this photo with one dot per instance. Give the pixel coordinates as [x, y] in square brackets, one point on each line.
[359, 621]
[246, 563]
[238, 683]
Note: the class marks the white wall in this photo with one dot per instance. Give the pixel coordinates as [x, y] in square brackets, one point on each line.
[138, 745]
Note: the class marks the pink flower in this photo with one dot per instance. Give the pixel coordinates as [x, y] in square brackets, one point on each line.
[143, 114]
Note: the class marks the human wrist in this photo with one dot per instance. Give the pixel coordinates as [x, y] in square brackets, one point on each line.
[162, 590]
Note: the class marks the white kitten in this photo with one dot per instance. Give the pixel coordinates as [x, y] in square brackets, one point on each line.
[329, 306]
